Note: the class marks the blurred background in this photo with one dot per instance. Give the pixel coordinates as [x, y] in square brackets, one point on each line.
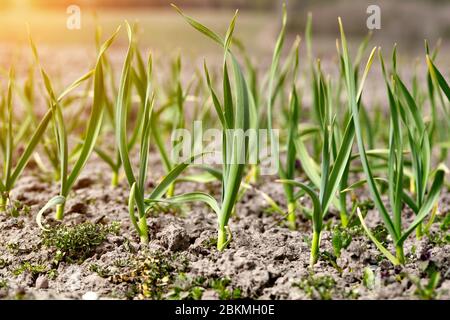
[66, 54]
[407, 22]
[165, 33]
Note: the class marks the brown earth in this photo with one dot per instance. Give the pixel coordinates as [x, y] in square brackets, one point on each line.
[265, 260]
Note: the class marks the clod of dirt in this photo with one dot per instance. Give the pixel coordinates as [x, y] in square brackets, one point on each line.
[83, 183]
[78, 207]
[41, 282]
[174, 238]
[3, 292]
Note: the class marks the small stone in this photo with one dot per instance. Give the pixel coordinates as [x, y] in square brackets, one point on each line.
[41, 282]
[90, 295]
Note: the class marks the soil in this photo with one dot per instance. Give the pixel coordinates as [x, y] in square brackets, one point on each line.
[265, 260]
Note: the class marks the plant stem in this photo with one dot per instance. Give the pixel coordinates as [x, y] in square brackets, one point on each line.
[57, 175]
[315, 244]
[412, 186]
[221, 238]
[59, 212]
[143, 229]
[170, 191]
[343, 206]
[255, 173]
[233, 212]
[344, 218]
[419, 231]
[115, 179]
[292, 206]
[399, 254]
[3, 202]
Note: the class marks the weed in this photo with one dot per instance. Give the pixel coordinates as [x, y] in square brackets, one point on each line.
[428, 291]
[3, 284]
[318, 287]
[78, 242]
[341, 239]
[368, 278]
[34, 269]
[150, 275]
[186, 288]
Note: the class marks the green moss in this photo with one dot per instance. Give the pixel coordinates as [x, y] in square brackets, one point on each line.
[210, 243]
[318, 287]
[381, 233]
[13, 247]
[186, 288]
[341, 239]
[3, 263]
[427, 291]
[3, 284]
[16, 208]
[34, 269]
[150, 275]
[75, 244]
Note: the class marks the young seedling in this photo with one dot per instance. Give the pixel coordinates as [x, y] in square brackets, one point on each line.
[48, 140]
[137, 182]
[332, 170]
[175, 108]
[343, 130]
[90, 136]
[138, 82]
[395, 169]
[288, 172]
[9, 145]
[234, 117]
[420, 145]
[437, 83]
[440, 121]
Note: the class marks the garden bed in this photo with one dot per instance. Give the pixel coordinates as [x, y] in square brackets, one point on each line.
[265, 260]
